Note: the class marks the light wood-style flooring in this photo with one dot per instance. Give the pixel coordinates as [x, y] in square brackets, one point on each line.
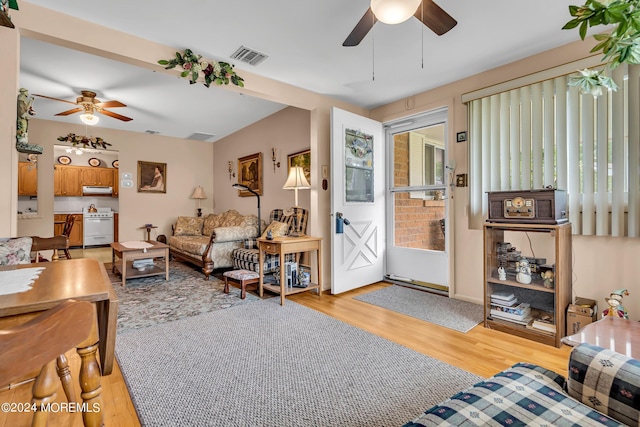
[481, 351]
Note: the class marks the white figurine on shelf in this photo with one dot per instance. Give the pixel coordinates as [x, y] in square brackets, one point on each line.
[502, 275]
[523, 271]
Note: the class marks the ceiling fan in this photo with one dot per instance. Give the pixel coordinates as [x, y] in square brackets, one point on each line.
[397, 11]
[90, 105]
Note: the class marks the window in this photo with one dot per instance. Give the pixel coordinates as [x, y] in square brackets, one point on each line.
[548, 134]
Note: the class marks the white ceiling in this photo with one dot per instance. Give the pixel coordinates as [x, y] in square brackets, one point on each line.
[303, 41]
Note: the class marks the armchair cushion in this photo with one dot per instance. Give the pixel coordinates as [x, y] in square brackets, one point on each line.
[16, 251]
[188, 226]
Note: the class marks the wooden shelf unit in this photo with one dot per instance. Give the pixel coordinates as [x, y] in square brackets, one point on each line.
[559, 295]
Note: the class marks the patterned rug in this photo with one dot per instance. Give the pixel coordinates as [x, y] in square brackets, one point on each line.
[147, 301]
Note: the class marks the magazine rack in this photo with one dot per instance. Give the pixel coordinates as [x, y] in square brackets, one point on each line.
[552, 242]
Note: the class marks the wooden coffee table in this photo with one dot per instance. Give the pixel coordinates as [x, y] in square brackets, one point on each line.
[126, 256]
[619, 335]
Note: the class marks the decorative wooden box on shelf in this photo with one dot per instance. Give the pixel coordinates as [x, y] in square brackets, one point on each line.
[554, 300]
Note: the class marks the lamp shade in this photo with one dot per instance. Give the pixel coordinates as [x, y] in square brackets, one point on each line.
[296, 181]
[198, 193]
[394, 11]
[89, 119]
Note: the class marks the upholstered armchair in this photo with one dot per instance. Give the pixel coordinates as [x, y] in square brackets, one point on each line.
[246, 258]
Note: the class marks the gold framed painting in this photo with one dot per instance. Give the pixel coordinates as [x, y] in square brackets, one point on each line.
[302, 159]
[250, 174]
[152, 177]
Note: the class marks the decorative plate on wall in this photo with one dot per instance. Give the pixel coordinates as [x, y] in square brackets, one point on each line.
[94, 162]
[64, 160]
[115, 164]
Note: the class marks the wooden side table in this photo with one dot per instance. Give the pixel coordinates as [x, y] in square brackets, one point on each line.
[287, 245]
[614, 333]
[126, 256]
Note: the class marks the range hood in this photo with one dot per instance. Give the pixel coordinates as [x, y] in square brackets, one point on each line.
[96, 189]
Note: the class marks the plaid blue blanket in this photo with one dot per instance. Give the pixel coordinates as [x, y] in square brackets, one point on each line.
[524, 395]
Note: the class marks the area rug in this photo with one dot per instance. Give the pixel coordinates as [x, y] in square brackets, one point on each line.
[454, 314]
[263, 364]
[147, 301]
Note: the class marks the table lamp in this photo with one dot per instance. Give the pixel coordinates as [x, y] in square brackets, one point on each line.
[198, 194]
[296, 181]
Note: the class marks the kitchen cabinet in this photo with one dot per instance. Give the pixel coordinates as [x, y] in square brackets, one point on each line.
[116, 184]
[115, 226]
[67, 180]
[553, 300]
[97, 176]
[27, 179]
[75, 238]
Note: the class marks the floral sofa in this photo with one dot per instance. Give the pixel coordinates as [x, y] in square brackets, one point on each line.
[602, 389]
[209, 241]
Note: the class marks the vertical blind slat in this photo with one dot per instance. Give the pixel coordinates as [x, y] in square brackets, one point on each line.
[504, 141]
[536, 135]
[602, 141]
[561, 132]
[573, 152]
[514, 143]
[476, 192]
[549, 125]
[495, 143]
[634, 151]
[617, 154]
[525, 138]
[588, 207]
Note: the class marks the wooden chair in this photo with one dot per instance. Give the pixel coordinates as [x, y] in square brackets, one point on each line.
[38, 344]
[66, 231]
[49, 243]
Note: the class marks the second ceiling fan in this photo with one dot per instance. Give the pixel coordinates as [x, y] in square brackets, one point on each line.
[397, 11]
[88, 105]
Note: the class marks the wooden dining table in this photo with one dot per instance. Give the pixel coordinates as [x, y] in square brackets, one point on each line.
[82, 279]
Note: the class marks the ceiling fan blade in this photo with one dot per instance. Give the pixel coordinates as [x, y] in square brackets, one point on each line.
[434, 17]
[109, 104]
[68, 112]
[361, 29]
[55, 99]
[115, 115]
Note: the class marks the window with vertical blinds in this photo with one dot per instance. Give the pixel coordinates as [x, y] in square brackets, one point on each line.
[548, 134]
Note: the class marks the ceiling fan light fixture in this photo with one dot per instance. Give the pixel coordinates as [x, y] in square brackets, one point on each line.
[89, 119]
[394, 11]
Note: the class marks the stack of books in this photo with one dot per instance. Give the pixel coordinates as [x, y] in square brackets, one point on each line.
[143, 264]
[544, 322]
[505, 306]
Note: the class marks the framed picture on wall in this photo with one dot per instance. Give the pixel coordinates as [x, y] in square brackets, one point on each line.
[302, 159]
[250, 174]
[152, 177]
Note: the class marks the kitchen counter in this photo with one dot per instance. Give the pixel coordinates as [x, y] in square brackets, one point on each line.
[29, 215]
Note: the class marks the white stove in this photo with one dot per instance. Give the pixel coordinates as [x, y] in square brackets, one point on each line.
[97, 227]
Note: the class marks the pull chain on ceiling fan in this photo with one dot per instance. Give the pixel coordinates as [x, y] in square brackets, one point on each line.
[393, 12]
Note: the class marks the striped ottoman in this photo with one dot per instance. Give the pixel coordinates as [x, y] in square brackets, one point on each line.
[243, 277]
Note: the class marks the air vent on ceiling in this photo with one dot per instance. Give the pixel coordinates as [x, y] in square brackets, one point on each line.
[201, 136]
[249, 56]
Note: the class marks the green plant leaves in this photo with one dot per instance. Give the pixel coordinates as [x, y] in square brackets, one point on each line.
[220, 73]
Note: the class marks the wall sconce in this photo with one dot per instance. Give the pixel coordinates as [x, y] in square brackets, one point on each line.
[273, 159]
[231, 173]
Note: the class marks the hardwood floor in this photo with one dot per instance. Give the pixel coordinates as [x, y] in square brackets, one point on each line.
[481, 351]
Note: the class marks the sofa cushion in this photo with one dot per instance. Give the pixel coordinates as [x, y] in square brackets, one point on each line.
[606, 381]
[194, 245]
[277, 228]
[211, 221]
[188, 226]
[15, 251]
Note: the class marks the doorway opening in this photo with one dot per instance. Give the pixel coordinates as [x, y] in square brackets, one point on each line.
[417, 208]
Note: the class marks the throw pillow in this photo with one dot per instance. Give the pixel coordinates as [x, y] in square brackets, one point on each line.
[278, 229]
[16, 251]
[188, 226]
